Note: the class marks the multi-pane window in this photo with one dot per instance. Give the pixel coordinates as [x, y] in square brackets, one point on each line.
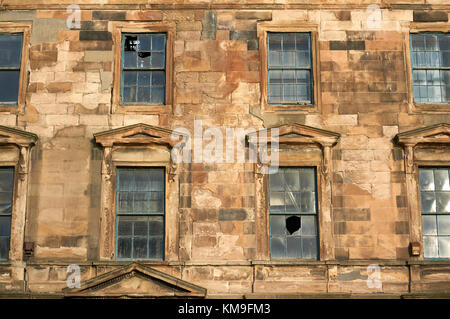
[140, 213]
[435, 207]
[6, 203]
[293, 213]
[289, 68]
[143, 68]
[430, 56]
[10, 62]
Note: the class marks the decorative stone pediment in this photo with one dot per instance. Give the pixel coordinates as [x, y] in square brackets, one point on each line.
[297, 134]
[435, 134]
[138, 134]
[136, 281]
[17, 137]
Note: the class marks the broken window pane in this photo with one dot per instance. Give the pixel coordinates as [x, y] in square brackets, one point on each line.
[292, 213]
[293, 224]
[144, 56]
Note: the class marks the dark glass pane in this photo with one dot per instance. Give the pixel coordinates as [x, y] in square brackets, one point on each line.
[124, 247]
[156, 226]
[309, 247]
[142, 180]
[157, 60]
[302, 42]
[4, 248]
[129, 94]
[158, 78]
[289, 42]
[130, 59]
[158, 42]
[156, 206]
[144, 78]
[124, 226]
[6, 179]
[418, 42]
[125, 202]
[444, 42]
[126, 179]
[156, 248]
[143, 94]
[157, 95]
[5, 225]
[140, 227]
[129, 78]
[140, 248]
[278, 247]
[10, 50]
[9, 86]
[141, 202]
[294, 249]
[274, 42]
[157, 180]
[144, 42]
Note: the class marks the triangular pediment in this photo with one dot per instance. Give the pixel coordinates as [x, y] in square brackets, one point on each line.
[10, 135]
[138, 134]
[434, 134]
[136, 281]
[297, 134]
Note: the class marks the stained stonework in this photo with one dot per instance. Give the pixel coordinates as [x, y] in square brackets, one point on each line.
[216, 227]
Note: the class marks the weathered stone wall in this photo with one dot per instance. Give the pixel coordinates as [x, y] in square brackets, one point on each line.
[364, 96]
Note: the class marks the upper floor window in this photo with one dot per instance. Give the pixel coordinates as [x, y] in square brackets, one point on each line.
[6, 201]
[140, 211]
[435, 207]
[290, 76]
[10, 67]
[293, 213]
[430, 60]
[143, 68]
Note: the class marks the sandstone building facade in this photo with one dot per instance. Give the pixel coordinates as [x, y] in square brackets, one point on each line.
[356, 94]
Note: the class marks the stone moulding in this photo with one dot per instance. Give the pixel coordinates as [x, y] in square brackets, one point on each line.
[144, 137]
[135, 280]
[297, 135]
[23, 141]
[434, 138]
